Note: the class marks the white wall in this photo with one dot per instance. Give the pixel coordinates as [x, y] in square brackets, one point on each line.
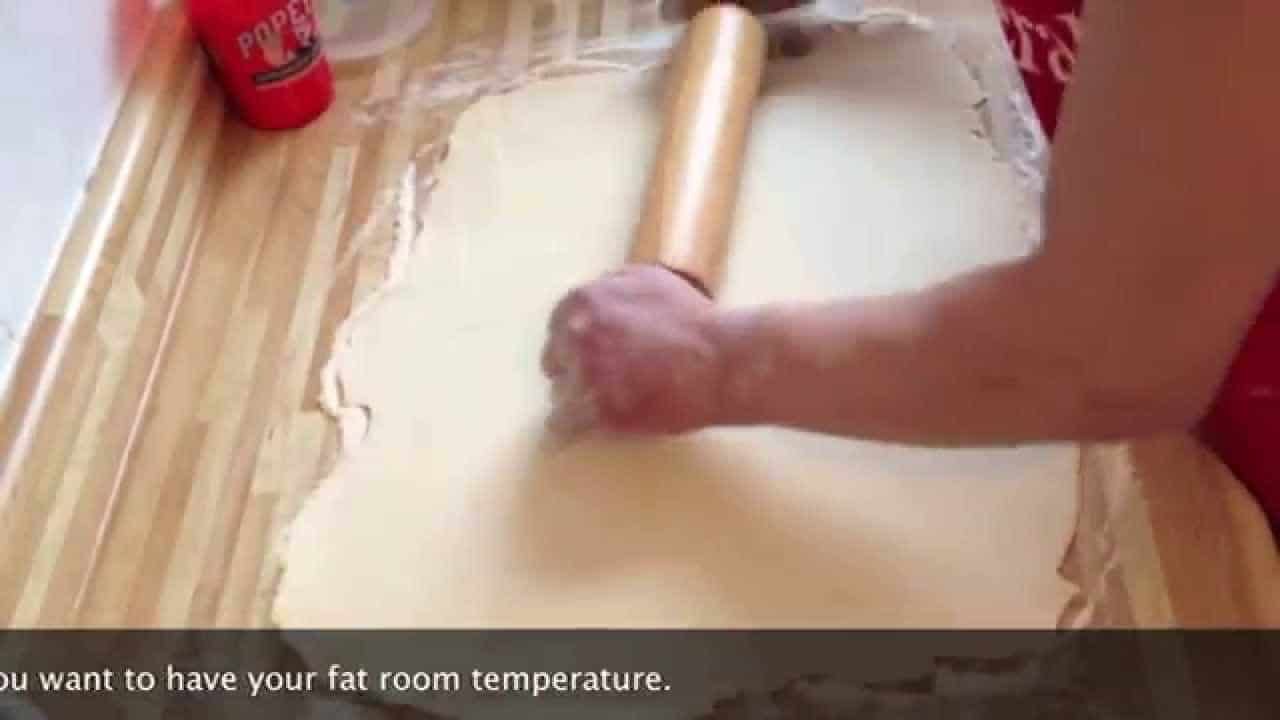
[64, 66]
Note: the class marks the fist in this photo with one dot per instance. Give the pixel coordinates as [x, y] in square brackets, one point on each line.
[635, 352]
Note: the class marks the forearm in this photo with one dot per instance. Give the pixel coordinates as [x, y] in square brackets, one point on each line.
[1159, 249]
[974, 361]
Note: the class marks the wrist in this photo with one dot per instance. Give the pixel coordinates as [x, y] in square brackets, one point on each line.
[746, 347]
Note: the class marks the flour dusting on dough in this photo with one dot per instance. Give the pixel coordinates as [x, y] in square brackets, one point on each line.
[436, 525]
[456, 312]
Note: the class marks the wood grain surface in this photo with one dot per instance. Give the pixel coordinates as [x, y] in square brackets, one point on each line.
[163, 426]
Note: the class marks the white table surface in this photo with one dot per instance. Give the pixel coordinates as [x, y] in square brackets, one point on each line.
[64, 67]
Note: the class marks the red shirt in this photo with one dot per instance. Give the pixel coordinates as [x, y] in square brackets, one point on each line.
[1244, 424]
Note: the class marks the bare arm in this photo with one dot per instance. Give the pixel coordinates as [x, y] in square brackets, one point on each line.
[1162, 239]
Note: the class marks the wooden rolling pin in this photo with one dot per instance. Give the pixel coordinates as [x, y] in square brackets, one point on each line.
[693, 191]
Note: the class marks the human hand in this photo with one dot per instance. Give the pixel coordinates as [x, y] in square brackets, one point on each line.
[636, 352]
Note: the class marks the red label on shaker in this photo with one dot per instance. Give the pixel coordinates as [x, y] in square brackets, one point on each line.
[268, 56]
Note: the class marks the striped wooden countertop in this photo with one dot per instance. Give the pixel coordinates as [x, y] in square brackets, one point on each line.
[163, 427]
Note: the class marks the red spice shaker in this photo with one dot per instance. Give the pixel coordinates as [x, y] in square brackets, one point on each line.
[267, 55]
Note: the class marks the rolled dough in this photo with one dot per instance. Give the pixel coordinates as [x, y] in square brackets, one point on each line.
[866, 175]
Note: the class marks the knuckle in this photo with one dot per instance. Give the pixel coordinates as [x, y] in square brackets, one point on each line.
[583, 300]
[573, 303]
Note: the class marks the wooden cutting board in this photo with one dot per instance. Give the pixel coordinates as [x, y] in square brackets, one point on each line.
[163, 427]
